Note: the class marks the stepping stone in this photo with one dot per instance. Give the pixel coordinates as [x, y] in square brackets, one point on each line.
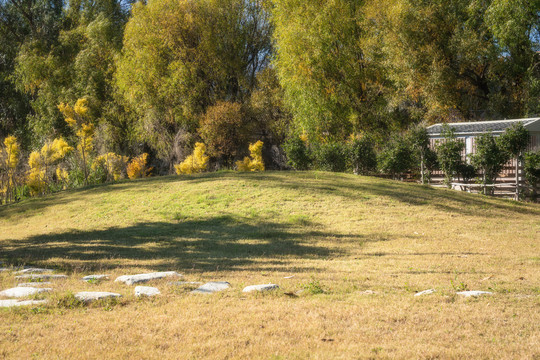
[212, 287]
[146, 291]
[89, 296]
[32, 284]
[180, 283]
[3, 269]
[140, 278]
[95, 277]
[18, 292]
[474, 293]
[425, 292]
[34, 271]
[15, 302]
[40, 277]
[264, 287]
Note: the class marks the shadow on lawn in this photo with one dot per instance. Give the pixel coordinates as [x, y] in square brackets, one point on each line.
[224, 243]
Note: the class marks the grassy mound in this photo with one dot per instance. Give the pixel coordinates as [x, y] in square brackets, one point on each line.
[348, 252]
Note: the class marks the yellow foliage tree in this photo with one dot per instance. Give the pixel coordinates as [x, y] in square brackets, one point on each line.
[256, 162]
[42, 164]
[195, 163]
[137, 167]
[113, 165]
[9, 155]
[77, 118]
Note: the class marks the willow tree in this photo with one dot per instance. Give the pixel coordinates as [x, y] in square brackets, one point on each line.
[180, 57]
[331, 86]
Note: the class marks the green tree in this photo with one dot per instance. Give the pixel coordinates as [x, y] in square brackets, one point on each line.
[331, 87]
[488, 159]
[449, 151]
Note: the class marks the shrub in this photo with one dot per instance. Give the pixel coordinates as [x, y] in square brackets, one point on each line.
[531, 168]
[195, 163]
[396, 158]
[9, 159]
[419, 141]
[43, 165]
[224, 130]
[331, 156]
[109, 167]
[363, 156]
[137, 167]
[298, 153]
[256, 162]
[489, 159]
[449, 154]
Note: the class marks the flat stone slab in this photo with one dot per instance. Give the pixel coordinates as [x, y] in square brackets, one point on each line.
[34, 271]
[474, 293]
[40, 277]
[425, 292]
[95, 277]
[4, 269]
[15, 302]
[264, 287]
[146, 291]
[181, 283]
[34, 284]
[19, 292]
[140, 278]
[89, 296]
[212, 287]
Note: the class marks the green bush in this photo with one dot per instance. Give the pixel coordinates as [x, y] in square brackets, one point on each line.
[298, 153]
[449, 154]
[489, 159]
[396, 158]
[331, 156]
[363, 156]
[531, 167]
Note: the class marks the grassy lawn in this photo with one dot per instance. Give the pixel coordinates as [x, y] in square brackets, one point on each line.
[348, 252]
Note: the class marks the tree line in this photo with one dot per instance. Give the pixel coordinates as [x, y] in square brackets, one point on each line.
[159, 76]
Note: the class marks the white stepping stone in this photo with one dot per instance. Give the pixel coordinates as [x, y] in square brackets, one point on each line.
[88, 296]
[264, 287]
[34, 271]
[3, 269]
[95, 277]
[33, 284]
[18, 292]
[146, 291]
[474, 293]
[140, 278]
[212, 287]
[425, 292]
[15, 302]
[40, 277]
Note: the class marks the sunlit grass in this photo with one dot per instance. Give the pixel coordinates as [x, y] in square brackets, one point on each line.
[348, 252]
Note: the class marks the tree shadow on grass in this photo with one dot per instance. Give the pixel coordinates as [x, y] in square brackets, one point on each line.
[224, 243]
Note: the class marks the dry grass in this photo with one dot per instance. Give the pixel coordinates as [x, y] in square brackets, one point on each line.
[340, 233]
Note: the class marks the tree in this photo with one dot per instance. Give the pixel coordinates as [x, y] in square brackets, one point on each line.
[488, 159]
[331, 86]
[396, 157]
[363, 156]
[449, 151]
[419, 140]
[514, 141]
[181, 57]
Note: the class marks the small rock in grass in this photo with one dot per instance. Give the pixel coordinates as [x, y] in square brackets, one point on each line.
[35, 283]
[89, 296]
[425, 292]
[41, 277]
[3, 269]
[18, 292]
[180, 283]
[264, 287]
[212, 287]
[474, 293]
[15, 302]
[139, 278]
[368, 292]
[34, 271]
[146, 291]
[95, 277]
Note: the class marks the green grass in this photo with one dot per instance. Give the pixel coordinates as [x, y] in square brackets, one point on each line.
[337, 235]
